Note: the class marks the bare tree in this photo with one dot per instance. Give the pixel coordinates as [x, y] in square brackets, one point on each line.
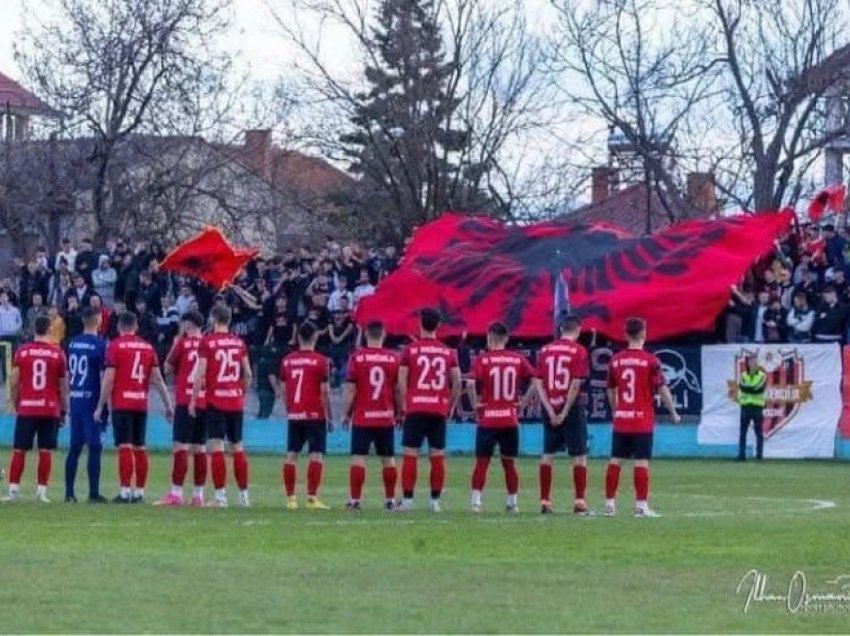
[491, 94]
[642, 71]
[123, 68]
[779, 61]
[39, 181]
[731, 87]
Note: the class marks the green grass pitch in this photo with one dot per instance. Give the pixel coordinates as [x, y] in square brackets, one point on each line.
[115, 569]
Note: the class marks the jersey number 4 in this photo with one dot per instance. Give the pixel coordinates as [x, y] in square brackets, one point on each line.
[137, 373]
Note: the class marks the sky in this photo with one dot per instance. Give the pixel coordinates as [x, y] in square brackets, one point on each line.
[253, 38]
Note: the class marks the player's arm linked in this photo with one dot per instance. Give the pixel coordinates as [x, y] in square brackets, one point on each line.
[64, 398]
[399, 404]
[159, 384]
[198, 385]
[456, 388]
[667, 399]
[247, 374]
[347, 403]
[14, 385]
[105, 392]
[612, 399]
[537, 383]
[572, 396]
[401, 389]
[326, 405]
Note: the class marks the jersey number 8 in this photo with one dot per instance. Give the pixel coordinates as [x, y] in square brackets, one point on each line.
[39, 375]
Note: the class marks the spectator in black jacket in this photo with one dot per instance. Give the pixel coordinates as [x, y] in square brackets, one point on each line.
[835, 245]
[839, 281]
[800, 319]
[127, 285]
[148, 327]
[149, 292]
[73, 318]
[118, 308]
[757, 313]
[86, 261]
[774, 322]
[810, 287]
[34, 280]
[79, 290]
[831, 318]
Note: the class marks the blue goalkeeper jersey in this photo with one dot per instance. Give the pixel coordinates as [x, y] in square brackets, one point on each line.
[86, 355]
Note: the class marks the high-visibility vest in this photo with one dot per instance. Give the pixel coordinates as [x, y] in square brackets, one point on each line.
[752, 387]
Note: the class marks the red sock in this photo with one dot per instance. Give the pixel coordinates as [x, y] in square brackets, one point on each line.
[289, 477]
[180, 467]
[140, 459]
[356, 477]
[545, 482]
[45, 464]
[511, 475]
[16, 466]
[125, 466]
[479, 473]
[612, 480]
[219, 470]
[641, 483]
[438, 475]
[580, 481]
[240, 469]
[314, 477]
[390, 477]
[409, 466]
[199, 463]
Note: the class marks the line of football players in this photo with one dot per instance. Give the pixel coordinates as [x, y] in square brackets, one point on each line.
[415, 390]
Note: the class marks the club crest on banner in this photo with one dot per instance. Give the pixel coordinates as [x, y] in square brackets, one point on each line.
[787, 385]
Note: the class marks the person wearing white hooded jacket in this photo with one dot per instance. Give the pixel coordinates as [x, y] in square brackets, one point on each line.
[103, 281]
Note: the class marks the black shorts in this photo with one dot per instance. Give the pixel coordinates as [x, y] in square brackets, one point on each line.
[28, 428]
[129, 427]
[313, 433]
[419, 427]
[364, 437]
[571, 435]
[223, 424]
[507, 439]
[631, 445]
[188, 429]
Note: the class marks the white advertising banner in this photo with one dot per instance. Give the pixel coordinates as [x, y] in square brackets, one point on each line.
[803, 397]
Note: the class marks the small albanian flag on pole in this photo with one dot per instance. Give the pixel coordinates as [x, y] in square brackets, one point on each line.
[208, 257]
[830, 199]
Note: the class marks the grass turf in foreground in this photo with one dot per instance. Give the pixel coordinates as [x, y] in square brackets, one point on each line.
[85, 568]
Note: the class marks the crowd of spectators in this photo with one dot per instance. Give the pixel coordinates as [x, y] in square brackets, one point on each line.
[269, 299]
[799, 294]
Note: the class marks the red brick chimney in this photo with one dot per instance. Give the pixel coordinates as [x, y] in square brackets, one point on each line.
[258, 144]
[603, 180]
[702, 192]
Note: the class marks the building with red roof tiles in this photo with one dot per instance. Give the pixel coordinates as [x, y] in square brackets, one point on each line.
[641, 209]
[17, 107]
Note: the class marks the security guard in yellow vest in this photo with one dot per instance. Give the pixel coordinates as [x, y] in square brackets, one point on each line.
[751, 397]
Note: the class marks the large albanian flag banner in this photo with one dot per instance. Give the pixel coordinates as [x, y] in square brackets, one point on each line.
[476, 270]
